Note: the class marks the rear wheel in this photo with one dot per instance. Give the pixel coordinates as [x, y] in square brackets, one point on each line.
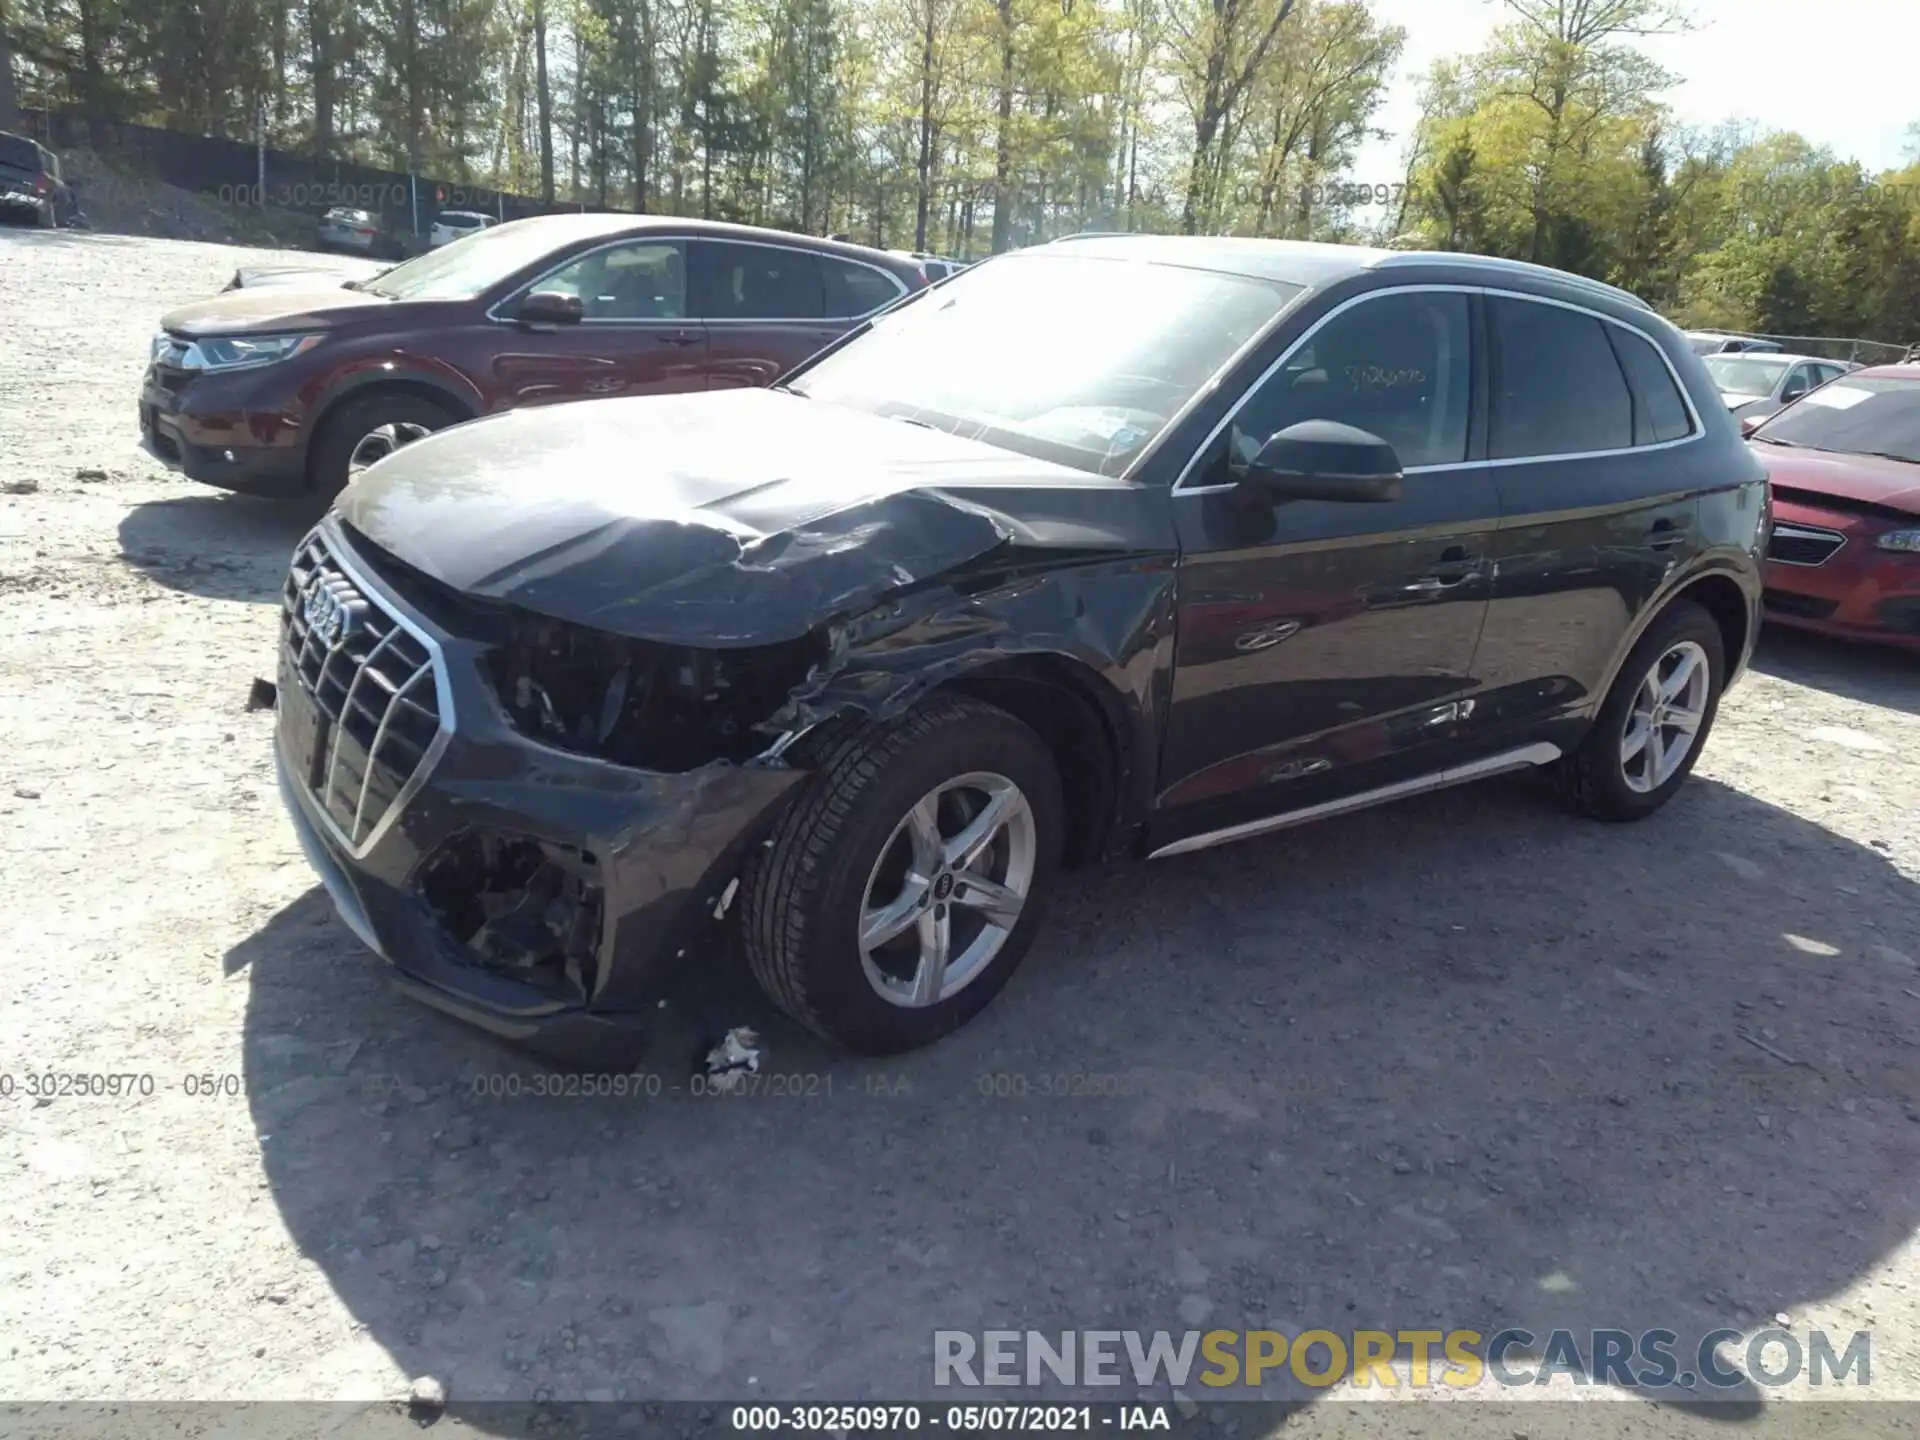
[903, 887]
[1649, 733]
[367, 430]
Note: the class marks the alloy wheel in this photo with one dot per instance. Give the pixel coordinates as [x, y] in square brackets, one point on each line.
[947, 889]
[382, 442]
[1665, 719]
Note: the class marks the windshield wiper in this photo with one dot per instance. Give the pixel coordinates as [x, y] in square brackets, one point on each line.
[1786, 444]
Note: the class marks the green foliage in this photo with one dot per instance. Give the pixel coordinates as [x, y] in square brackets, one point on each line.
[968, 126]
[1552, 145]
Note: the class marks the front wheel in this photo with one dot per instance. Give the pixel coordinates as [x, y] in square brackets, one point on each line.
[367, 430]
[1649, 732]
[904, 885]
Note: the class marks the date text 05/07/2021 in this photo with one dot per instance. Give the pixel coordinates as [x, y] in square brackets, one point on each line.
[909, 1419]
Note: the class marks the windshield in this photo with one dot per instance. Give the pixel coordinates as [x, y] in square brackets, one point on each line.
[1074, 359]
[479, 262]
[1745, 374]
[1854, 416]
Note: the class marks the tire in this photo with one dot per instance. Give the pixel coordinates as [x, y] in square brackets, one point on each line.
[1599, 778]
[836, 855]
[343, 434]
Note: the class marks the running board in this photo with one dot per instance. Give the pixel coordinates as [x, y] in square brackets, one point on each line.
[1523, 758]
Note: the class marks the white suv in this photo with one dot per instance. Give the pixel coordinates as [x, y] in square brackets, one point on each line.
[450, 225]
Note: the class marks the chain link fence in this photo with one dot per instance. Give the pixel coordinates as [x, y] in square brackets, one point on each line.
[1830, 347]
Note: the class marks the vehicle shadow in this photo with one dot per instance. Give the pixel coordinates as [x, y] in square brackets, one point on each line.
[223, 547]
[1868, 673]
[1462, 1063]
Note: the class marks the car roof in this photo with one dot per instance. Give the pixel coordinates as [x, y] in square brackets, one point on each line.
[570, 226]
[1311, 263]
[1774, 356]
[1904, 371]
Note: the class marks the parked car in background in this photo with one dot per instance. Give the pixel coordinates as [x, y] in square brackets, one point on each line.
[933, 268]
[451, 225]
[31, 188]
[312, 274]
[1755, 385]
[1845, 469]
[357, 232]
[286, 389]
[1711, 342]
[1113, 547]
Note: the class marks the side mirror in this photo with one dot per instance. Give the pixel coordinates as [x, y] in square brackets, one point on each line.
[1751, 423]
[1325, 460]
[549, 307]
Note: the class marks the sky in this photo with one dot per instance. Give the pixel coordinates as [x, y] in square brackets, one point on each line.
[1841, 72]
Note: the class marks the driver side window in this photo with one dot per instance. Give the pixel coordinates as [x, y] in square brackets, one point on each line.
[645, 280]
[1397, 366]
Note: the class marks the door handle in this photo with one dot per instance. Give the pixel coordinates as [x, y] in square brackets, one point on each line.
[679, 337]
[1454, 567]
[1665, 533]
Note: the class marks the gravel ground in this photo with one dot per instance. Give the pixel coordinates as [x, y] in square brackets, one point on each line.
[1464, 1062]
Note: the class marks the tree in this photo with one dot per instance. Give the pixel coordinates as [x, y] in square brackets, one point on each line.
[1221, 46]
[9, 95]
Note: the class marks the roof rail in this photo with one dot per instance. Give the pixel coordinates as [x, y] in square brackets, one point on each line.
[1402, 258]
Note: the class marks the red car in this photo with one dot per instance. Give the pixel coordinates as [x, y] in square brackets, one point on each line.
[297, 387]
[1845, 469]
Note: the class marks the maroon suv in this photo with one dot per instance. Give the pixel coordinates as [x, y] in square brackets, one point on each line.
[291, 389]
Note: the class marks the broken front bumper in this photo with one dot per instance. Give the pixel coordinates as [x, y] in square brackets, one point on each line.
[543, 895]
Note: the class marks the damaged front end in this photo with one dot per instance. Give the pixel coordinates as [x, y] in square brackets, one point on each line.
[669, 708]
[524, 907]
[631, 674]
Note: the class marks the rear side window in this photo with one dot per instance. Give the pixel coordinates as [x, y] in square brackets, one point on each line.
[856, 289]
[1659, 411]
[1557, 388]
[760, 282]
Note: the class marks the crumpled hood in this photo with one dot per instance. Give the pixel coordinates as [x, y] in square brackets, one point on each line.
[1868, 479]
[738, 517]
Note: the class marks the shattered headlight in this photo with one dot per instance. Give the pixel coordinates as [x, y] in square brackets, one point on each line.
[639, 703]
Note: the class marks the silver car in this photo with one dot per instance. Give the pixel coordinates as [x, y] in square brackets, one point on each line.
[1755, 386]
[344, 228]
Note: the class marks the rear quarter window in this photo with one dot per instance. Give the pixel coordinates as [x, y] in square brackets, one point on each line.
[853, 290]
[1659, 410]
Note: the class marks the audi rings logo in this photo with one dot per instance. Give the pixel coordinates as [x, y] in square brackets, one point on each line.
[330, 616]
[1266, 637]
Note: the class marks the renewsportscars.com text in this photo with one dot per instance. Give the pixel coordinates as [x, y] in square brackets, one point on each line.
[1389, 1359]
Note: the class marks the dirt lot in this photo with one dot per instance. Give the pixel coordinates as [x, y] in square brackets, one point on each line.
[1466, 1062]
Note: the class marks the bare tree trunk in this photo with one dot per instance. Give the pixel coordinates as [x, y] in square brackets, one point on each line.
[579, 100]
[1003, 149]
[544, 101]
[9, 96]
[924, 170]
[92, 84]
